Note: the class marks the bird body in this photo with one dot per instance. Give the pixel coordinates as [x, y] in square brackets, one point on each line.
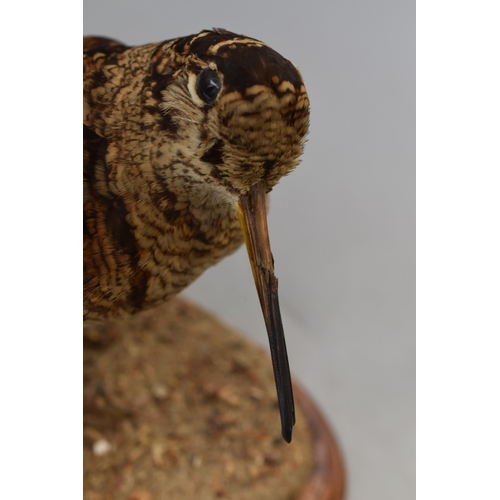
[182, 139]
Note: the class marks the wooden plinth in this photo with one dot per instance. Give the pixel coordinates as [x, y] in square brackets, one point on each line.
[178, 406]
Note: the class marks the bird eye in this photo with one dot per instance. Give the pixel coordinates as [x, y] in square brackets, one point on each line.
[208, 85]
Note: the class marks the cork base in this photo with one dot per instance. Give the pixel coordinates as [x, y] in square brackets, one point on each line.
[177, 406]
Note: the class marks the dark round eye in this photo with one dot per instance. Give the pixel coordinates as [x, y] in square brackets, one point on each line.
[208, 85]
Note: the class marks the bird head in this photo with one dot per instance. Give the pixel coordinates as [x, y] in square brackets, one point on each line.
[243, 105]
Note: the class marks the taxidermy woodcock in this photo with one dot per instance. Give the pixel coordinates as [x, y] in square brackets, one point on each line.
[182, 141]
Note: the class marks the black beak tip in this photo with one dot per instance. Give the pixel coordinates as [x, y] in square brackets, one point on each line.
[286, 432]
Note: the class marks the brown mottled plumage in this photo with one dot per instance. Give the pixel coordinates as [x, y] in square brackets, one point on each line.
[182, 139]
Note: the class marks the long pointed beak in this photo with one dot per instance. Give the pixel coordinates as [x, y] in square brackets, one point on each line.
[251, 210]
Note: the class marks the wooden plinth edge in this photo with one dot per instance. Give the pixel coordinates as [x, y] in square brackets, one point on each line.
[327, 480]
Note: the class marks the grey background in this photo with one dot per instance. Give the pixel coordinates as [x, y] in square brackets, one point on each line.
[342, 225]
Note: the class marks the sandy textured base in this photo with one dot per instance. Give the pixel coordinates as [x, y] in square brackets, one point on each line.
[178, 406]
